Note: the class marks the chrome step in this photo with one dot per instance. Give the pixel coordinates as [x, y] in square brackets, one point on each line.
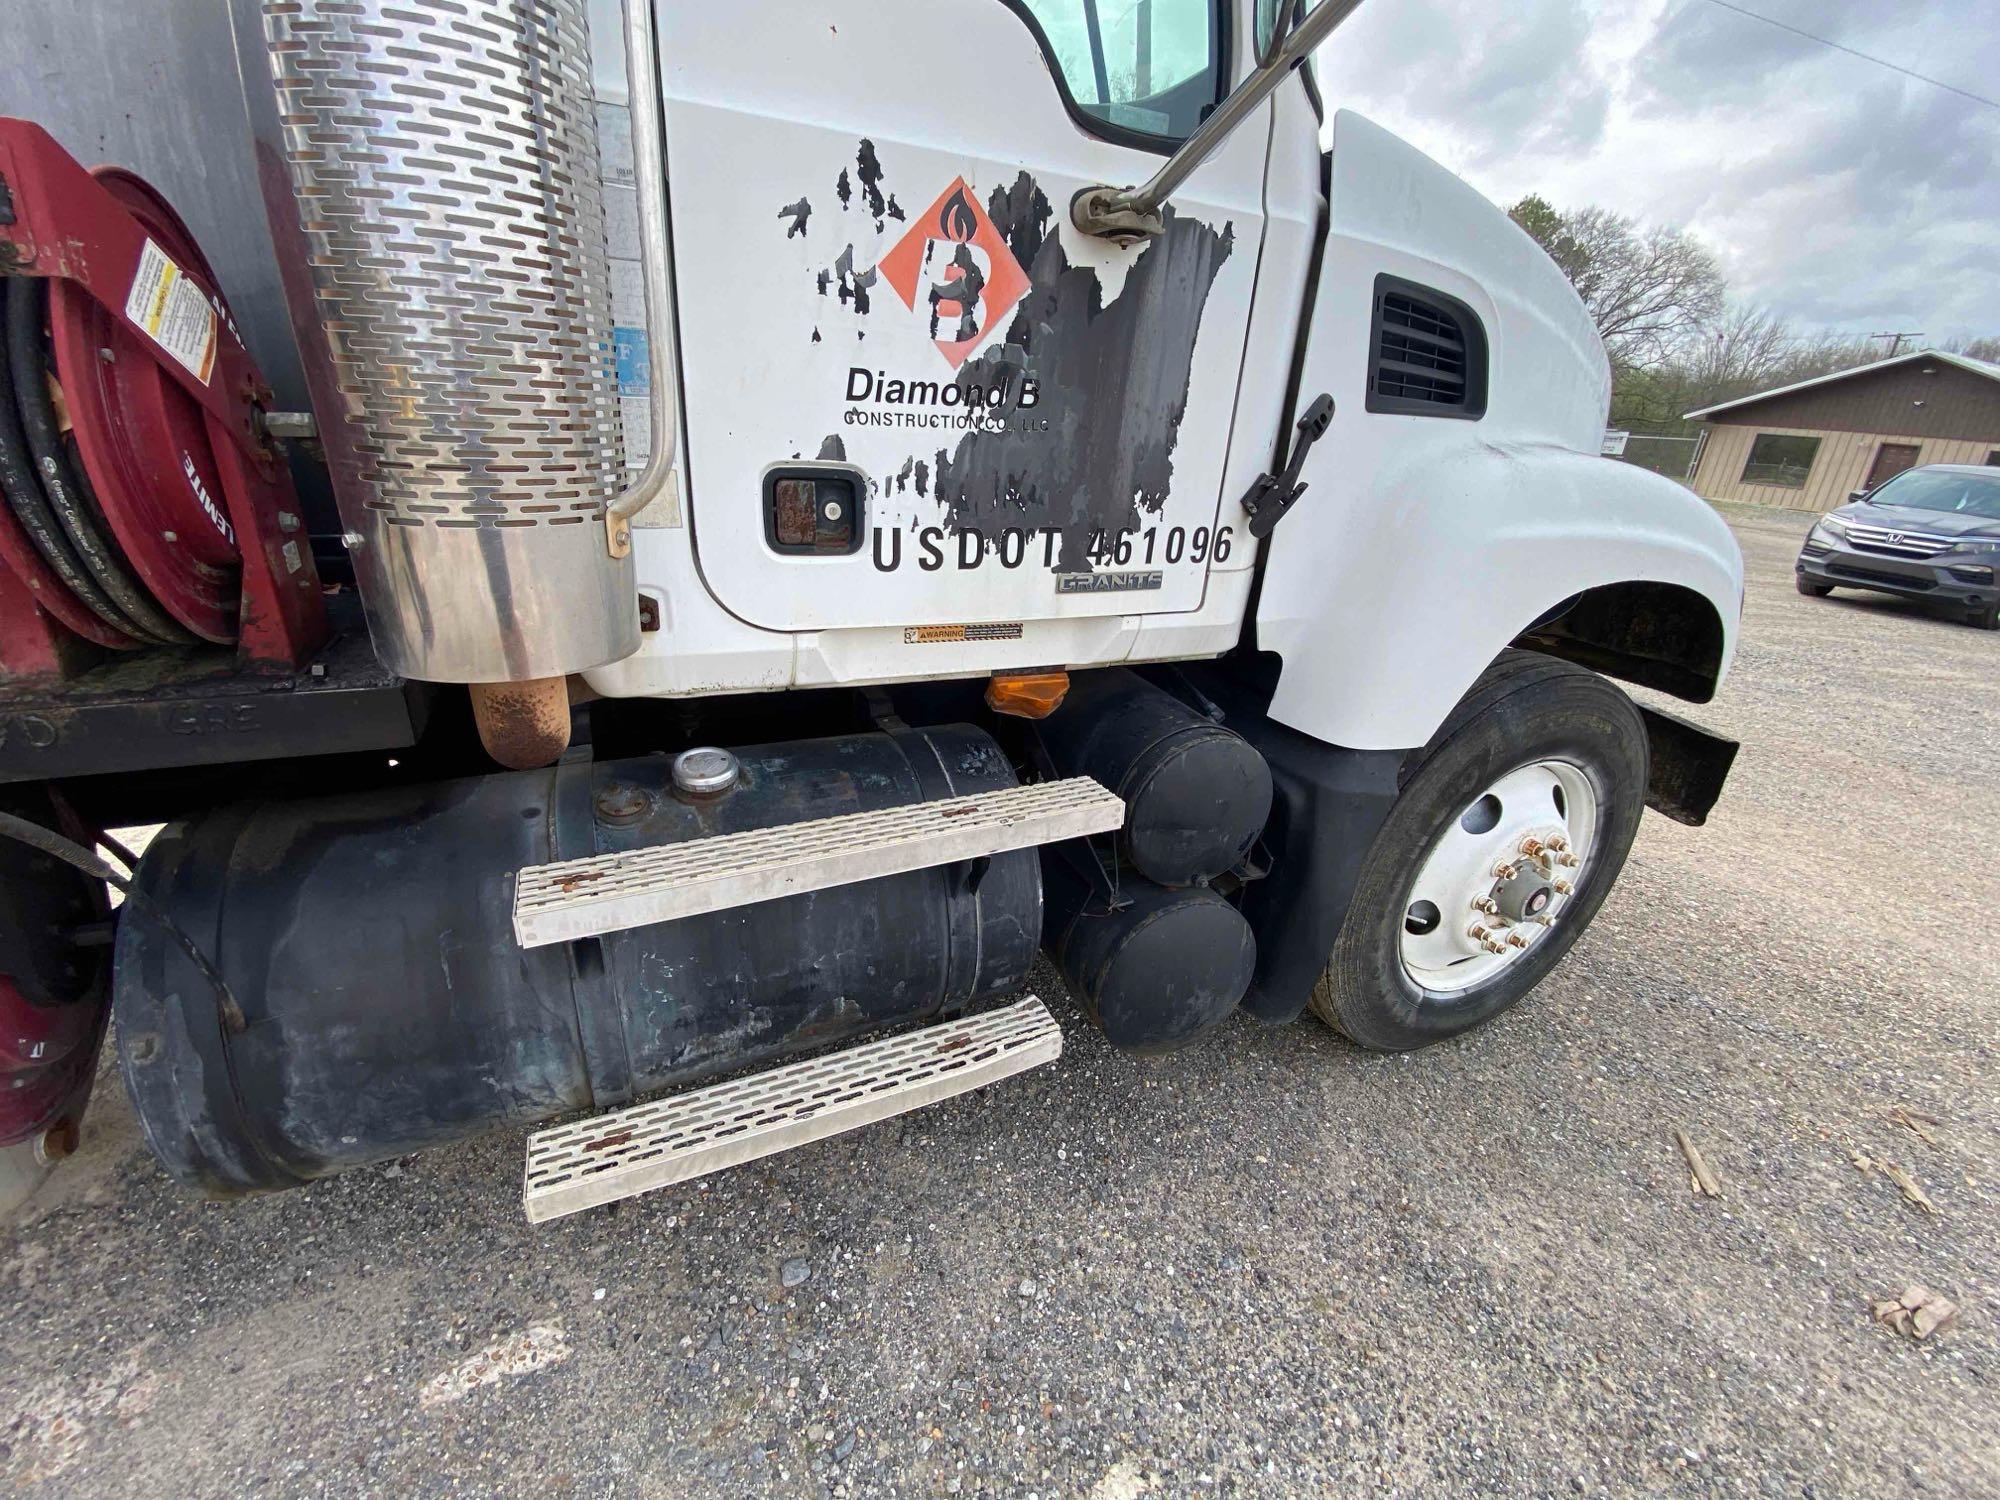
[608, 892]
[645, 1146]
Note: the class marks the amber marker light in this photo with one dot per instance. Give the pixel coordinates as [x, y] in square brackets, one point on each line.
[1027, 695]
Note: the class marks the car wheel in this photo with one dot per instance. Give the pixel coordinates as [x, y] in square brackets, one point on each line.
[1984, 618]
[1813, 590]
[1509, 830]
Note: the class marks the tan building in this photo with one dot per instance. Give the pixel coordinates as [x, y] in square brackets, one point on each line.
[1809, 446]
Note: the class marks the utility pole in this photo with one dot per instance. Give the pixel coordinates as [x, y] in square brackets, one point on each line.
[1895, 341]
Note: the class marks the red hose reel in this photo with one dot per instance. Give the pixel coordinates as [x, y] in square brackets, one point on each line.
[155, 510]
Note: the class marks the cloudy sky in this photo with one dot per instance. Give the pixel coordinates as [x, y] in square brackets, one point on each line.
[1836, 192]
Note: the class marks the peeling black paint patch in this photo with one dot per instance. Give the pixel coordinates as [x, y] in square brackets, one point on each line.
[962, 294]
[833, 450]
[798, 213]
[1021, 214]
[844, 188]
[1112, 384]
[816, 338]
[923, 475]
[868, 168]
[824, 278]
[895, 208]
[853, 284]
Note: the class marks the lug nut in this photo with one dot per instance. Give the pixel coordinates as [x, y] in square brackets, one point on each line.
[1532, 847]
[1515, 940]
[1568, 861]
[1563, 887]
[1558, 842]
[1505, 870]
[1487, 905]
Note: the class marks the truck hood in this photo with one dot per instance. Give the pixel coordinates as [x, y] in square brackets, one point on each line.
[1391, 207]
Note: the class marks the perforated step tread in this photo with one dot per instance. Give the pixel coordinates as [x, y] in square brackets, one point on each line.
[609, 892]
[645, 1146]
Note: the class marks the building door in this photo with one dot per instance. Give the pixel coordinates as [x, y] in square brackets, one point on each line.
[1890, 460]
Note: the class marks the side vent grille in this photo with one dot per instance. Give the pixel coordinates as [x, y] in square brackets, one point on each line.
[1427, 355]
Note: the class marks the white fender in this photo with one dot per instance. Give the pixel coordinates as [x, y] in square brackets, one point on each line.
[1385, 605]
[1427, 543]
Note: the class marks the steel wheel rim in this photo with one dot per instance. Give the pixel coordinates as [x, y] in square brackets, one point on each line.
[1499, 877]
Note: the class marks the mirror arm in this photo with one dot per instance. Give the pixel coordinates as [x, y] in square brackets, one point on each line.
[1127, 215]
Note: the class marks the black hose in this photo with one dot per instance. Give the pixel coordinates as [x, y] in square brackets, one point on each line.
[27, 362]
[21, 830]
[22, 493]
[124, 856]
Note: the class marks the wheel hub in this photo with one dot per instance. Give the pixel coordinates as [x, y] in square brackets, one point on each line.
[1498, 878]
[1525, 895]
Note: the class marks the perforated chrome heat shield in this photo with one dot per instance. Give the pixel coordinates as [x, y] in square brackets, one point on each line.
[431, 171]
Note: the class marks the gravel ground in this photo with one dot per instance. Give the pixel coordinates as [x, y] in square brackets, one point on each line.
[1273, 1265]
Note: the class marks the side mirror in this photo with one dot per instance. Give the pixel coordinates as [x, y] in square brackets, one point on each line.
[1858, 494]
[1127, 215]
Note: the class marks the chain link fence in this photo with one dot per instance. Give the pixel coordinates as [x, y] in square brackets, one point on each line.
[1671, 456]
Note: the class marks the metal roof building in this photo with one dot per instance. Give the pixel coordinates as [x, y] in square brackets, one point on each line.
[1808, 446]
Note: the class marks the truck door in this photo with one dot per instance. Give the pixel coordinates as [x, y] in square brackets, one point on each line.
[914, 394]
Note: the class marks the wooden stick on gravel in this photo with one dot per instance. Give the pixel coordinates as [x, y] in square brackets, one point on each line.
[1701, 1179]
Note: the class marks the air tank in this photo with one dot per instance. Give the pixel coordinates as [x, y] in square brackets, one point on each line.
[1196, 793]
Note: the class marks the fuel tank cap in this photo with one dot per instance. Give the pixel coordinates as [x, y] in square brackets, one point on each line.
[705, 771]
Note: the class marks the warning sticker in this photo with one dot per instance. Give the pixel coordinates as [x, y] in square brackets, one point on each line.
[173, 311]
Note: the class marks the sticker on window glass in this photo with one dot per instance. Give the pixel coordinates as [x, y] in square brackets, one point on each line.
[633, 353]
[173, 312]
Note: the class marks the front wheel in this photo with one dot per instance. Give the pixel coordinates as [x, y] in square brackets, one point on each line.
[1812, 590]
[1510, 828]
[1987, 618]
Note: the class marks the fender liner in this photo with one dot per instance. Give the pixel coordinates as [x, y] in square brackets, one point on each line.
[1329, 804]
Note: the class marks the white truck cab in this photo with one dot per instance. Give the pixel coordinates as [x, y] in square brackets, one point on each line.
[893, 486]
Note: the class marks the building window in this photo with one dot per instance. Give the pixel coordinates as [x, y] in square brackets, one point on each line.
[1780, 459]
[1149, 69]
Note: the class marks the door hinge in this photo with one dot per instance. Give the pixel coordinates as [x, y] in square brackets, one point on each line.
[1271, 495]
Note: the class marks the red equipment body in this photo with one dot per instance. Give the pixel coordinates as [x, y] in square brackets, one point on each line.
[164, 406]
[150, 430]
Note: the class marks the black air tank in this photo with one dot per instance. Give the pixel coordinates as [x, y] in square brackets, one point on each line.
[1196, 794]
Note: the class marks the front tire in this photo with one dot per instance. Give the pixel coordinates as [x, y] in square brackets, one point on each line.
[1984, 619]
[1539, 753]
[1810, 589]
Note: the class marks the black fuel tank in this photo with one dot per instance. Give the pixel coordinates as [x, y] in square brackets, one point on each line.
[369, 942]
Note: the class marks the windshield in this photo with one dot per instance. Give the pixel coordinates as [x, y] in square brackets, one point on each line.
[1936, 489]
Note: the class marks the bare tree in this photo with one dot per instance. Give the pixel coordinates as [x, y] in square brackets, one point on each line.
[1647, 289]
[1677, 344]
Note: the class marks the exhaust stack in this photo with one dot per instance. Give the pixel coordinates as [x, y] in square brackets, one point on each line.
[431, 173]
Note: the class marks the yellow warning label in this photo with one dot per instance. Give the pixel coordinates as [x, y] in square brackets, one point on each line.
[173, 311]
[931, 635]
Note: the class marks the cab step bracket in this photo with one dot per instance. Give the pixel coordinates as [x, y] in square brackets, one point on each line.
[630, 1151]
[581, 898]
